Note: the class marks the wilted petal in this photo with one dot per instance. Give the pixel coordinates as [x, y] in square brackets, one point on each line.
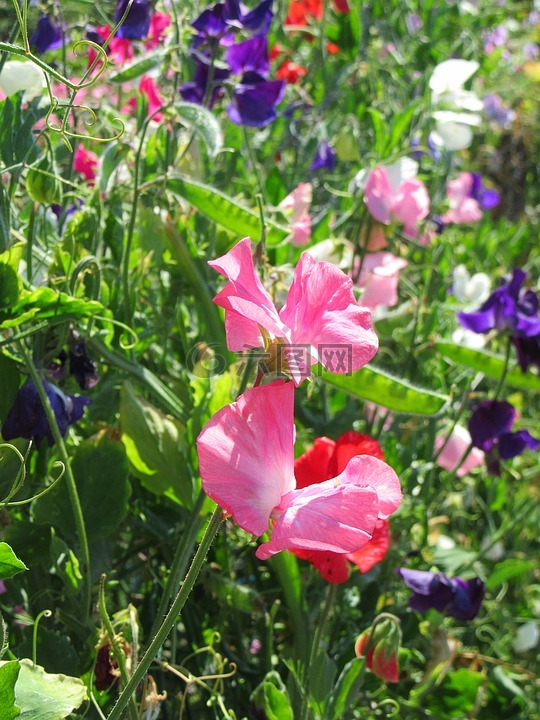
[246, 454]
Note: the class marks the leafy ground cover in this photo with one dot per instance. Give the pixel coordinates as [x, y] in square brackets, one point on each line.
[269, 360]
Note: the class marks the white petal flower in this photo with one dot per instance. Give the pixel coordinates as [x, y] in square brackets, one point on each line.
[17, 76]
[468, 338]
[338, 252]
[473, 290]
[527, 637]
[404, 169]
[453, 130]
[450, 76]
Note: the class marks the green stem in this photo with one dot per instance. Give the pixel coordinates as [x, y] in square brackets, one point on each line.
[117, 651]
[504, 371]
[70, 480]
[171, 617]
[329, 600]
[180, 561]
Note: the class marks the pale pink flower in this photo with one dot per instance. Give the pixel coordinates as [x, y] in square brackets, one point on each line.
[320, 314]
[393, 194]
[246, 463]
[463, 208]
[454, 450]
[379, 277]
[296, 207]
[85, 162]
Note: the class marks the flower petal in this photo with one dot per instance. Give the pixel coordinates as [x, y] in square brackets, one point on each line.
[369, 472]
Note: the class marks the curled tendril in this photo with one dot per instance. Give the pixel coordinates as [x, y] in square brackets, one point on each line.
[104, 59]
[57, 463]
[42, 614]
[125, 327]
[19, 478]
[395, 705]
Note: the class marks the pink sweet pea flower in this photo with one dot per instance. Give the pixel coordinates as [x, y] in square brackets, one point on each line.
[85, 162]
[320, 316]
[296, 206]
[246, 462]
[454, 450]
[463, 208]
[159, 23]
[393, 194]
[379, 277]
[147, 87]
[119, 50]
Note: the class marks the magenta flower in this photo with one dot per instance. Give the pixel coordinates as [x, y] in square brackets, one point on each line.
[86, 163]
[393, 194]
[319, 320]
[246, 462]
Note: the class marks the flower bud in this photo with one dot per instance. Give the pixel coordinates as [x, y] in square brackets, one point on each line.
[380, 646]
[42, 183]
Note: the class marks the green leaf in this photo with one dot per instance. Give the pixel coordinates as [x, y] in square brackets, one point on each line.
[45, 303]
[66, 565]
[101, 473]
[322, 676]
[137, 68]
[240, 598]
[272, 697]
[379, 127]
[488, 363]
[204, 123]
[42, 696]
[508, 569]
[226, 211]
[376, 385]
[10, 564]
[154, 443]
[455, 696]
[9, 673]
[346, 689]
[9, 385]
[111, 158]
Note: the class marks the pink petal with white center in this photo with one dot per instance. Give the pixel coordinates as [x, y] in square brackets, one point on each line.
[378, 195]
[246, 455]
[323, 517]
[321, 310]
[246, 296]
[370, 473]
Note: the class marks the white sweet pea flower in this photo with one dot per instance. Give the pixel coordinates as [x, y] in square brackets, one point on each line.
[17, 75]
[471, 289]
[447, 83]
[453, 130]
[338, 252]
[403, 169]
[468, 338]
[527, 637]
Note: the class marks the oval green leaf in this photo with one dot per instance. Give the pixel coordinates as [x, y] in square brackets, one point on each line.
[204, 123]
[10, 564]
[138, 68]
[488, 363]
[376, 385]
[225, 211]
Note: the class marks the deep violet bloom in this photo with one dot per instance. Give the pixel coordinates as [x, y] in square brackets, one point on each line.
[510, 307]
[459, 598]
[82, 367]
[249, 56]
[486, 197]
[137, 23]
[256, 21]
[324, 158]
[323, 461]
[490, 426]
[27, 418]
[47, 35]
[211, 24]
[254, 100]
[195, 91]
[246, 463]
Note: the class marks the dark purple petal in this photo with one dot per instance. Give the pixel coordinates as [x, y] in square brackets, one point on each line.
[256, 21]
[431, 591]
[476, 186]
[195, 91]
[47, 35]
[324, 158]
[254, 100]
[137, 23]
[513, 444]
[482, 320]
[27, 418]
[250, 55]
[211, 23]
[468, 596]
[528, 351]
[490, 420]
[82, 367]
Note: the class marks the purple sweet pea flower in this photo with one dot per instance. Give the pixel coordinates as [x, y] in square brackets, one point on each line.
[254, 100]
[460, 598]
[256, 21]
[486, 198]
[324, 158]
[508, 308]
[249, 56]
[82, 367]
[212, 24]
[47, 35]
[497, 111]
[137, 23]
[27, 418]
[195, 91]
[528, 351]
[490, 426]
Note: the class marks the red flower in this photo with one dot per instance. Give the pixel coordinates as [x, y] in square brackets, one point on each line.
[290, 72]
[341, 6]
[380, 646]
[332, 48]
[323, 461]
[300, 11]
